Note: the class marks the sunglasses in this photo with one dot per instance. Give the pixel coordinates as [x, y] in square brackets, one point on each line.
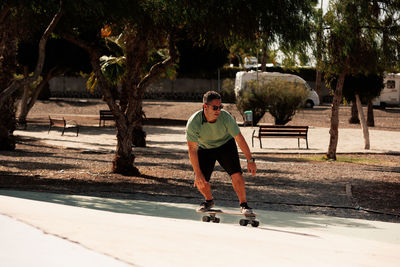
[215, 108]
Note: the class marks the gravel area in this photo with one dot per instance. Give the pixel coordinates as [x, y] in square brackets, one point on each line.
[358, 186]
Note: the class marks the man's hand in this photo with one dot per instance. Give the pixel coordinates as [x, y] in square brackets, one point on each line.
[252, 168]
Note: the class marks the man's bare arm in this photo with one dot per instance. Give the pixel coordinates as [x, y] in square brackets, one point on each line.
[200, 181]
[251, 166]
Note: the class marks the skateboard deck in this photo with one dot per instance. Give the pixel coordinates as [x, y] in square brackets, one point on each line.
[211, 217]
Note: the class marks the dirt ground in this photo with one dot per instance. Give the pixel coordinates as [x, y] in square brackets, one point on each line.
[356, 186]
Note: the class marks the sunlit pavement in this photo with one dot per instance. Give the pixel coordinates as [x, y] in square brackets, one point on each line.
[172, 138]
[43, 229]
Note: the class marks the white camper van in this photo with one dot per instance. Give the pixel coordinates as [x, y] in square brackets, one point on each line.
[243, 76]
[390, 95]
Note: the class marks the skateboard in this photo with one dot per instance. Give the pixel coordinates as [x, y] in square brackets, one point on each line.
[211, 217]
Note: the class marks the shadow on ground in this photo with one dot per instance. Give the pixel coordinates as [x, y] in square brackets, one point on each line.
[168, 208]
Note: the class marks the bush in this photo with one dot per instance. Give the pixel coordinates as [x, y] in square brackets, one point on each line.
[285, 98]
[253, 98]
[280, 97]
[228, 91]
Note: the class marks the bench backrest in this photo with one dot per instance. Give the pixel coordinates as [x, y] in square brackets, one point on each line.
[106, 114]
[57, 121]
[265, 130]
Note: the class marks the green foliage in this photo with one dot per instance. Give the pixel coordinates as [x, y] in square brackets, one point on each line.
[362, 42]
[28, 17]
[115, 44]
[113, 68]
[367, 86]
[159, 56]
[359, 32]
[254, 98]
[228, 91]
[91, 83]
[280, 97]
[285, 98]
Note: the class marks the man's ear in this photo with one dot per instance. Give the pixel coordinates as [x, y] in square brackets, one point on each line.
[204, 105]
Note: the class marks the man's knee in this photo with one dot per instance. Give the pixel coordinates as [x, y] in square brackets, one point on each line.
[237, 177]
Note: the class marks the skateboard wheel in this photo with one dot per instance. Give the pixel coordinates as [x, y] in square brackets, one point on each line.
[206, 218]
[243, 222]
[216, 220]
[255, 223]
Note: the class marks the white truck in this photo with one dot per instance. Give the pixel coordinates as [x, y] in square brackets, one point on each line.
[390, 95]
[243, 76]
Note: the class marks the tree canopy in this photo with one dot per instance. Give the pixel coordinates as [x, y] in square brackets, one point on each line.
[146, 26]
[359, 34]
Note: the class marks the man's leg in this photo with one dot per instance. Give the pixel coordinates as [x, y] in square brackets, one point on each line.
[239, 186]
[207, 162]
[228, 158]
[205, 191]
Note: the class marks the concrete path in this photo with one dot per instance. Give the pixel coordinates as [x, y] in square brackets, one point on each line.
[25, 244]
[42, 229]
[173, 138]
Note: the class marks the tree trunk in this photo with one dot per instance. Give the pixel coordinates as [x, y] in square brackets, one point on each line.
[139, 135]
[7, 126]
[24, 101]
[124, 158]
[370, 114]
[318, 76]
[27, 103]
[354, 114]
[8, 52]
[263, 61]
[123, 161]
[318, 85]
[334, 130]
[363, 122]
[128, 114]
[136, 57]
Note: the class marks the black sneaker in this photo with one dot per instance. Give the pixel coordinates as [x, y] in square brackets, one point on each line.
[245, 209]
[206, 205]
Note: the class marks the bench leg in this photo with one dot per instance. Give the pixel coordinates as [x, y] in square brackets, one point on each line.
[260, 142]
[298, 142]
[63, 131]
[307, 142]
[77, 130]
[252, 138]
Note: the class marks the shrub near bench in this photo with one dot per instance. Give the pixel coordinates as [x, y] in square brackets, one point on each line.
[280, 131]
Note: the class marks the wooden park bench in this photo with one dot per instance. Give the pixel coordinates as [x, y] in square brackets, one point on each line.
[280, 131]
[64, 124]
[105, 115]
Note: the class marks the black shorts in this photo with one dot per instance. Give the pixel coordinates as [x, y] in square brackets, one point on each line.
[227, 156]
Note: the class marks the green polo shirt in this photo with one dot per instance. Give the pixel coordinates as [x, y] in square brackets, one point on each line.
[211, 135]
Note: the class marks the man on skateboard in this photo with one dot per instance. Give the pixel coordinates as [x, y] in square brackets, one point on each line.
[211, 134]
